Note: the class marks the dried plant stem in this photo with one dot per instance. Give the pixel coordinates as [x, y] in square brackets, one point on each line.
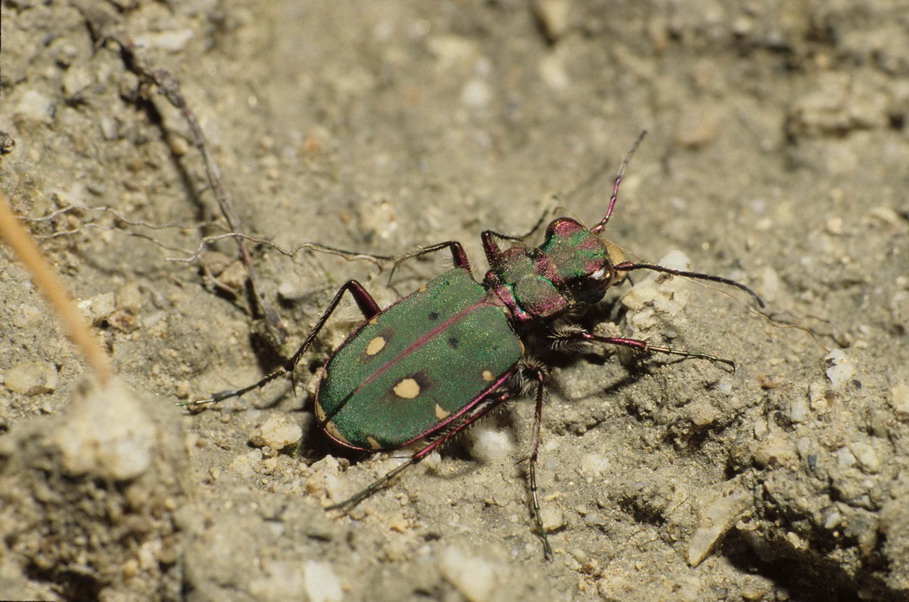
[45, 278]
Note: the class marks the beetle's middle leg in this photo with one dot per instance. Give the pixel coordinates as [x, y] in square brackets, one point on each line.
[532, 463]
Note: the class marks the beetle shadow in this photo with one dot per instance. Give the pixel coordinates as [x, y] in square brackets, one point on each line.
[807, 574]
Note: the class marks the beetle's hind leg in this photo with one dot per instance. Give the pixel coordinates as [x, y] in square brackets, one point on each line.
[383, 481]
[368, 307]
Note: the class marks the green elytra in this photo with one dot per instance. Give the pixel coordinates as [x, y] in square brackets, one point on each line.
[435, 362]
[408, 373]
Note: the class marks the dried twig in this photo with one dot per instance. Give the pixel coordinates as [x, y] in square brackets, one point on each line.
[169, 87]
[49, 284]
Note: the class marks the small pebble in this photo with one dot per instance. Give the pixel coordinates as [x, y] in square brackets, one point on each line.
[769, 284]
[280, 580]
[432, 462]
[817, 398]
[277, 432]
[553, 72]
[31, 378]
[76, 79]
[657, 292]
[34, 106]
[476, 93]
[473, 576]
[703, 413]
[292, 290]
[776, 449]
[106, 433]
[321, 583]
[716, 517]
[244, 465]
[553, 518]
[840, 368]
[798, 410]
[96, 309]
[234, 277]
[489, 444]
[594, 465]
[214, 262]
[833, 520]
[866, 455]
[845, 458]
[697, 127]
[172, 40]
[899, 399]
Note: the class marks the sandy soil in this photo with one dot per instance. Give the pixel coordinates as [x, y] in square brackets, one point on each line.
[776, 155]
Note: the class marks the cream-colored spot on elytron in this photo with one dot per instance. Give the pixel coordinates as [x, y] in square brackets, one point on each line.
[422, 289]
[373, 443]
[488, 376]
[376, 345]
[407, 388]
[332, 430]
[374, 321]
[441, 414]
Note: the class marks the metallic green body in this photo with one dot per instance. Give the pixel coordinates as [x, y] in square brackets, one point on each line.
[417, 365]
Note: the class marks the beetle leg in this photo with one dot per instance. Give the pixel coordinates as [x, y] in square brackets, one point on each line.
[458, 255]
[365, 302]
[444, 438]
[647, 347]
[532, 465]
[491, 247]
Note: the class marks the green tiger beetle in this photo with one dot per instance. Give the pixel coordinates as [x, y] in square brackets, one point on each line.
[435, 362]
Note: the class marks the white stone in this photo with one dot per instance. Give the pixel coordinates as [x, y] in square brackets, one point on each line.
[95, 309]
[277, 432]
[321, 583]
[106, 433]
[553, 518]
[899, 399]
[34, 106]
[476, 93]
[866, 455]
[474, 577]
[798, 410]
[282, 580]
[490, 444]
[31, 378]
[840, 368]
[76, 79]
[716, 517]
[594, 465]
